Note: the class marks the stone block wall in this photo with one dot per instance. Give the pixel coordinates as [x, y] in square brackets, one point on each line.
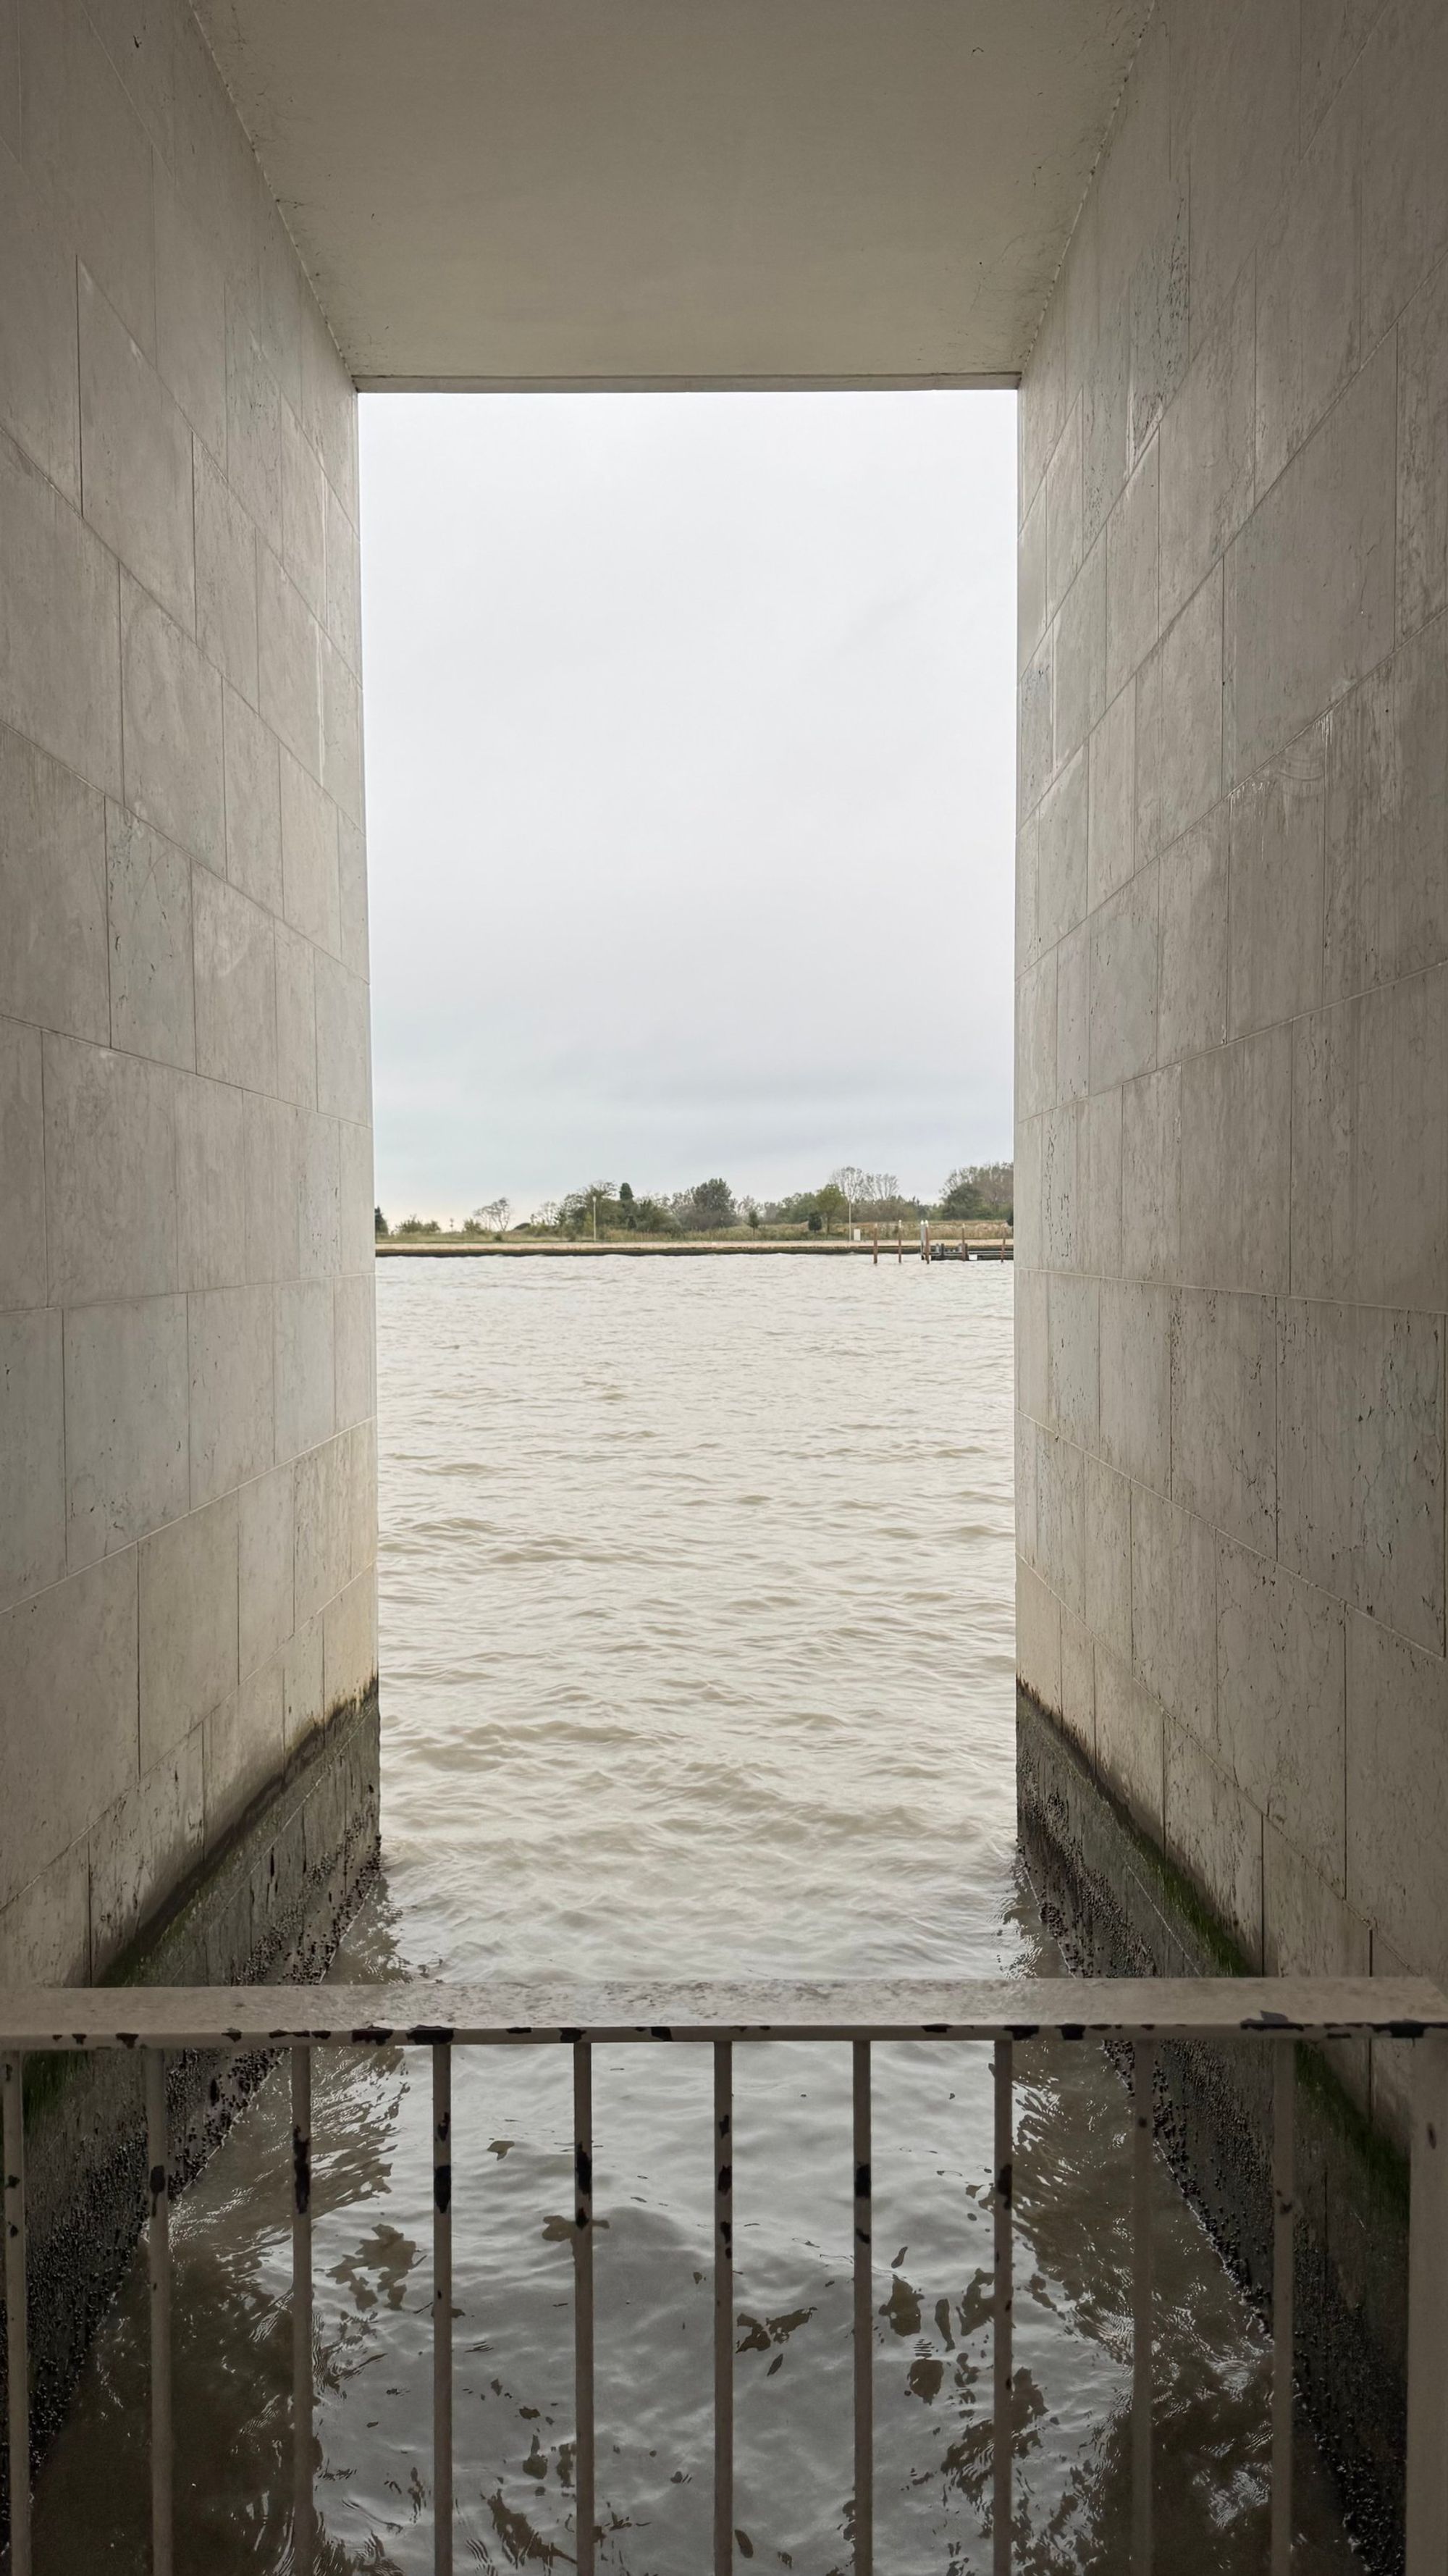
[1232, 958]
[186, 1357]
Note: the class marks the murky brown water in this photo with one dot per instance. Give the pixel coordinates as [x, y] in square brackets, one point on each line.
[697, 1656]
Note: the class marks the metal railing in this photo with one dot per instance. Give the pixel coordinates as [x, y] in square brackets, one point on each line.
[1139, 2012]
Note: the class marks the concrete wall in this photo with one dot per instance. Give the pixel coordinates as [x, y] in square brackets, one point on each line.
[1232, 1102]
[186, 1376]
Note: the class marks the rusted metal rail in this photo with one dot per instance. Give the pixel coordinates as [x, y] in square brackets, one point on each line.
[1139, 2012]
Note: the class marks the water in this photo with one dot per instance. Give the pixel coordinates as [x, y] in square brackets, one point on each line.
[696, 1618]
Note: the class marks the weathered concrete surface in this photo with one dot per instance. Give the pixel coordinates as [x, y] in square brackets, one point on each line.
[606, 191]
[1232, 1091]
[186, 1383]
[1119, 1908]
[270, 1904]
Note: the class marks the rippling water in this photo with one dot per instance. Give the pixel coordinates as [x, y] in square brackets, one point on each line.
[697, 1653]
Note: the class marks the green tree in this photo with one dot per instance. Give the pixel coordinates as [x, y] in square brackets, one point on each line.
[710, 1205]
[830, 1205]
[379, 1222]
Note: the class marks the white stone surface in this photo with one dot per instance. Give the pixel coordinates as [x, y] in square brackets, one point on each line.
[180, 599]
[1268, 787]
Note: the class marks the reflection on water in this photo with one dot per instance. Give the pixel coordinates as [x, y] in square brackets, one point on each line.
[697, 1644]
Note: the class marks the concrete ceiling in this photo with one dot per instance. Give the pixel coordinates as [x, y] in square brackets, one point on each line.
[678, 191]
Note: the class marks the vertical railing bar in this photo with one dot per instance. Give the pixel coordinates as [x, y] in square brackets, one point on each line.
[1426, 2529]
[158, 2269]
[723, 2307]
[1002, 2504]
[303, 2507]
[583, 2300]
[442, 2302]
[1284, 2203]
[17, 2330]
[1143, 2079]
[864, 2334]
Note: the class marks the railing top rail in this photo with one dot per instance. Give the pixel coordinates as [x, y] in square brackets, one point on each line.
[421, 2013]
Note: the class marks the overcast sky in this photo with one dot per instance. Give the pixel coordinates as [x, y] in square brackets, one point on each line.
[690, 789]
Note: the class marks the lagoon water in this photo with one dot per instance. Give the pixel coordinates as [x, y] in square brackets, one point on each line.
[697, 1655]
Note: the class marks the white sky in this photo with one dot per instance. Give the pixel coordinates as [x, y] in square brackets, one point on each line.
[690, 778]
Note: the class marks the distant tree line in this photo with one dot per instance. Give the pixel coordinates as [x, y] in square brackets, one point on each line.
[975, 1191]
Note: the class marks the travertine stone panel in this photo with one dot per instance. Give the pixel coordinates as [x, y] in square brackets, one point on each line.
[225, 578]
[188, 1625]
[310, 896]
[1060, 1519]
[1369, 1166]
[32, 1454]
[1224, 1412]
[1151, 1175]
[1281, 1685]
[190, 319]
[1130, 1738]
[229, 1340]
[1063, 514]
[1275, 914]
[1397, 1791]
[1236, 1123]
[344, 1051]
[1174, 1610]
[22, 1168]
[110, 1173]
[235, 986]
[265, 1541]
[1080, 655]
[1309, 318]
[1192, 973]
[1124, 933]
[171, 703]
[1360, 1451]
[1073, 1015]
[356, 1350]
[70, 1650]
[244, 1746]
[53, 969]
[1216, 1834]
[185, 1156]
[1112, 852]
[305, 1401]
[210, 1185]
[1387, 820]
[1131, 575]
[253, 804]
[296, 1008]
[125, 1423]
[38, 405]
[136, 458]
[1207, 481]
[1423, 454]
[289, 642]
[1107, 1507]
[137, 1853]
[1309, 600]
[1179, 723]
[1244, 358]
[153, 997]
[349, 1641]
[1061, 859]
[1136, 1377]
[58, 626]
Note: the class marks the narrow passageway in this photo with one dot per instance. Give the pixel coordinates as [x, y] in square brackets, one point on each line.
[697, 1616]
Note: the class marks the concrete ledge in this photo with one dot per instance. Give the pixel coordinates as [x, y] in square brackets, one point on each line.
[270, 1905]
[1118, 1907]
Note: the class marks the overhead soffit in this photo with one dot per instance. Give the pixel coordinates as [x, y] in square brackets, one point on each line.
[678, 191]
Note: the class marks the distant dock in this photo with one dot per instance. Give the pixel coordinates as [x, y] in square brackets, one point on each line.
[534, 1248]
